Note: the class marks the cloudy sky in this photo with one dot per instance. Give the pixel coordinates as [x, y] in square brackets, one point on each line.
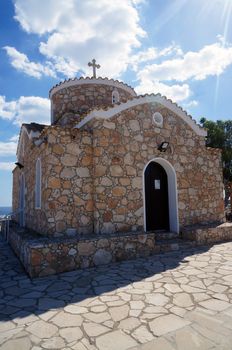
[180, 48]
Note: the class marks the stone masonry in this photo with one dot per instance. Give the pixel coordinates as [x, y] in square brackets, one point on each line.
[93, 157]
[92, 178]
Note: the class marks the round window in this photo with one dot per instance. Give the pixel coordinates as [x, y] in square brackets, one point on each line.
[158, 119]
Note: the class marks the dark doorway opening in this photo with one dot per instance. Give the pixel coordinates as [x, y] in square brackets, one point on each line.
[156, 197]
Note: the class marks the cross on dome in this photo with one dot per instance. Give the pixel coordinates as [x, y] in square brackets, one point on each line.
[94, 65]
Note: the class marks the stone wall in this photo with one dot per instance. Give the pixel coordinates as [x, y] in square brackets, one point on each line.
[92, 179]
[68, 182]
[48, 256]
[207, 234]
[67, 206]
[42, 257]
[27, 156]
[122, 147]
[69, 104]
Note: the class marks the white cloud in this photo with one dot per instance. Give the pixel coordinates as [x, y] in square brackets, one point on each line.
[21, 62]
[76, 31]
[143, 56]
[14, 138]
[66, 67]
[34, 18]
[26, 109]
[7, 166]
[175, 92]
[8, 148]
[153, 53]
[209, 61]
[192, 103]
[6, 108]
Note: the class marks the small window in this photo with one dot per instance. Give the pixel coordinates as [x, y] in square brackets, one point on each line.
[115, 97]
[158, 119]
[38, 185]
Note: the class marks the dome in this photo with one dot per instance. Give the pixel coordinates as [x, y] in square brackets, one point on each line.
[76, 96]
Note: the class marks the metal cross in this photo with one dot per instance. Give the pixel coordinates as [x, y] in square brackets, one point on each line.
[94, 65]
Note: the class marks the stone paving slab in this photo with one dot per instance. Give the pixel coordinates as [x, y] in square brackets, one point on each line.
[173, 301]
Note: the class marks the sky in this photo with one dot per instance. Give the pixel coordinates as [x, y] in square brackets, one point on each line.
[179, 48]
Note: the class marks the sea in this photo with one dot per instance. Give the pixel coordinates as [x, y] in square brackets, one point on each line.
[4, 211]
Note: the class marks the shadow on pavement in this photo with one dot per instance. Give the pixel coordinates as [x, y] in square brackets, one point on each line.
[20, 296]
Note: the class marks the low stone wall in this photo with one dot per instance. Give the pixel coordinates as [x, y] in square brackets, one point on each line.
[206, 234]
[42, 256]
[47, 256]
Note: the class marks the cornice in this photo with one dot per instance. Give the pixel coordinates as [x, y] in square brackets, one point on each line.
[84, 81]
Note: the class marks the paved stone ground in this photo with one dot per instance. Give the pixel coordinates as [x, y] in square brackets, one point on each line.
[178, 300]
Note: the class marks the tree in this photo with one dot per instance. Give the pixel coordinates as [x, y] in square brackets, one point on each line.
[220, 136]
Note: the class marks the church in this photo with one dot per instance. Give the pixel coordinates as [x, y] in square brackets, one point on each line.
[114, 162]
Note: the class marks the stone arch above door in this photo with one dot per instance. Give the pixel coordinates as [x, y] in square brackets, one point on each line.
[172, 193]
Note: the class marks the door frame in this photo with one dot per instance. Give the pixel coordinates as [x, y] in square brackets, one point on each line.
[172, 194]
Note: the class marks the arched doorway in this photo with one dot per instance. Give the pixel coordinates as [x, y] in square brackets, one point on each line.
[21, 201]
[160, 196]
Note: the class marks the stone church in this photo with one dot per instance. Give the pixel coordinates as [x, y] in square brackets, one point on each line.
[112, 162]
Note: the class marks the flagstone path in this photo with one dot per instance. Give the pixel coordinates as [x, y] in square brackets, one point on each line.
[174, 301]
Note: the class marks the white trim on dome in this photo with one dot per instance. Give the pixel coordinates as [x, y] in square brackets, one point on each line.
[105, 114]
[100, 81]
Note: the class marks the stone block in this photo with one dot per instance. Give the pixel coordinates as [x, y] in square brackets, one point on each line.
[134, 125]
[71, 231]
[72, 251]
[116, 170]
[108, 125]
[86, 160]
[86, 248]
[54, 182]
[100, 170]
[168, 323]
[102, 257]
[67, 173]
[107, 216]
[118, 191]
[103, 243]
[115, 340]
[137, 182]
[69, 160]
[106, 181]
[58, 149]
[130, 171]
[36, 258]
[83, 172]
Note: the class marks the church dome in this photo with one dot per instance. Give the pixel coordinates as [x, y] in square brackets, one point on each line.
[75, 97]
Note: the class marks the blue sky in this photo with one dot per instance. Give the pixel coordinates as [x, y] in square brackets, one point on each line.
[180, 48]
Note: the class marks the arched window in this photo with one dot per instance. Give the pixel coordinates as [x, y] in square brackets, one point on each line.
[38, 184]
[21, 200]
[22, 148]
[115, 97]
